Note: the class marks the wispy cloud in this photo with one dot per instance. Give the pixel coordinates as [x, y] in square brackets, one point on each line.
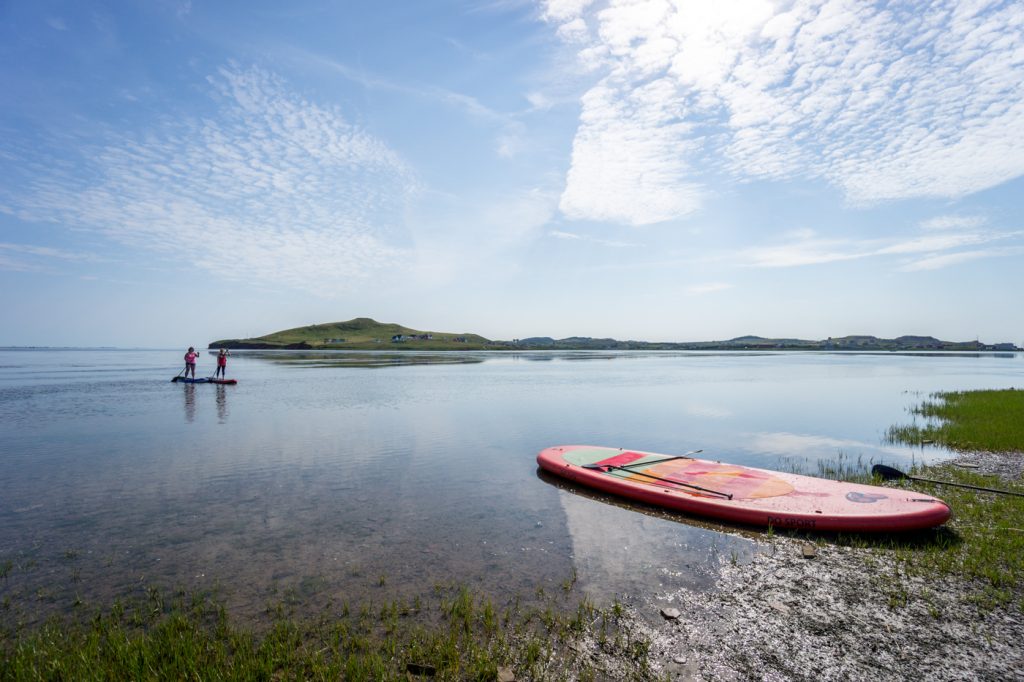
[43, 259]
[273, 189]
[509, 130]
[945, 260]
[953, 222]
[47, 252]
[940, 250]
[572, 236]
[707, 288]
[883, 100]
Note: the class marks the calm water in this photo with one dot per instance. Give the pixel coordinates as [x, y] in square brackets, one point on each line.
[320, 475]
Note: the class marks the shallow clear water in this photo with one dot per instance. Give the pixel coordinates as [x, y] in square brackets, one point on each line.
[320, 476]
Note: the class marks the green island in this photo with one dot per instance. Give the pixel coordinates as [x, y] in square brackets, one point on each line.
[454, 634]
[363, 333]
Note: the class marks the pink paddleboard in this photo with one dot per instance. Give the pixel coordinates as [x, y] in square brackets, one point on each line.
[742, 494]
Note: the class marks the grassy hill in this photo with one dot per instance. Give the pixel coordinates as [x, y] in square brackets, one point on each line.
[361, 333]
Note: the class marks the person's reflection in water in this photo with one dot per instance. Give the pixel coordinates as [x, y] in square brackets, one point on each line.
[190, 403]
[222, 403]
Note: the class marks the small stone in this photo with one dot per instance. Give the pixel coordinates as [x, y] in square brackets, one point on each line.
[505, 675]
[680, 660]
[670, 613]
[809, 551]
[778, 606]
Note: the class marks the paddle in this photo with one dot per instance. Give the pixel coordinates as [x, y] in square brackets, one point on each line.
[603, 467]
[179, 374]
[685, 455]
[889, 474]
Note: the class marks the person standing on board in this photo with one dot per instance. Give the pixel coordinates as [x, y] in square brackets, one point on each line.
[222, 364]
[190, 362]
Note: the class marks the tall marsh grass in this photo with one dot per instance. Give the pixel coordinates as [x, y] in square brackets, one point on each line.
[968, 420]
[984, 541]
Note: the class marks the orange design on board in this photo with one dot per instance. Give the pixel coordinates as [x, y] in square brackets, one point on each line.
[742, 482]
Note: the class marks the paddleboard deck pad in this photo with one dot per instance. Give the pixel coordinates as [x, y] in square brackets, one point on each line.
[745, 495]
[205, 380]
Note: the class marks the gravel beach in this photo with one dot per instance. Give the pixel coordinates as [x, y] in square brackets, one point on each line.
[809, 609]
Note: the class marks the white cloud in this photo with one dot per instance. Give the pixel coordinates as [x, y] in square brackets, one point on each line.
[47, 252]
[708, 288]
[953, 222]
[621, 173]
[883, 100]
[539, 101]
[572, 236]
[942, 250]
[574, 31]
[564, 10]
[945, 260]
[274, 189]
[809, 252]
[941, 242]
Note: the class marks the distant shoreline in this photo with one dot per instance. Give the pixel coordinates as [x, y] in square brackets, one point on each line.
[609, 345]
[364, 333]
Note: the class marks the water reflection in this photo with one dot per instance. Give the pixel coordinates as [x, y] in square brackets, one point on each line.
[222, 403]
[390, 358]
[190, 402]
[636, 547]
[368, 359]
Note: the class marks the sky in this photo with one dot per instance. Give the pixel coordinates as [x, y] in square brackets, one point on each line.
[175, 172]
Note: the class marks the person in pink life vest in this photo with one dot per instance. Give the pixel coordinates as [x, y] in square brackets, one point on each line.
[190, 362]
[222, 364]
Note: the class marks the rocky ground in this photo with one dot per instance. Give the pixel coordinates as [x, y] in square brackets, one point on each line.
[845, 614]
[842, 614]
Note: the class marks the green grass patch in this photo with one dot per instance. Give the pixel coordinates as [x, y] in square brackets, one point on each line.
[983, 542]
[460, 636]
[968, 420]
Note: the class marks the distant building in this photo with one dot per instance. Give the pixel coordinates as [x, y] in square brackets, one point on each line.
[327, 341]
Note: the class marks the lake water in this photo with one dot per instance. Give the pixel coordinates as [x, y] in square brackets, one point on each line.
[323, 475]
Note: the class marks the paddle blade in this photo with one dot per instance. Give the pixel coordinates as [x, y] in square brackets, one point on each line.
[599, 467]
[888, 473]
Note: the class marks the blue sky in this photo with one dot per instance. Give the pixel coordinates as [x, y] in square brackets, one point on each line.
[175, 172]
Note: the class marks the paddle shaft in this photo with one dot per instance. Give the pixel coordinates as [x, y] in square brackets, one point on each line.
[964, 485]
[659, 478]
[890, 473]
[685, 455]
